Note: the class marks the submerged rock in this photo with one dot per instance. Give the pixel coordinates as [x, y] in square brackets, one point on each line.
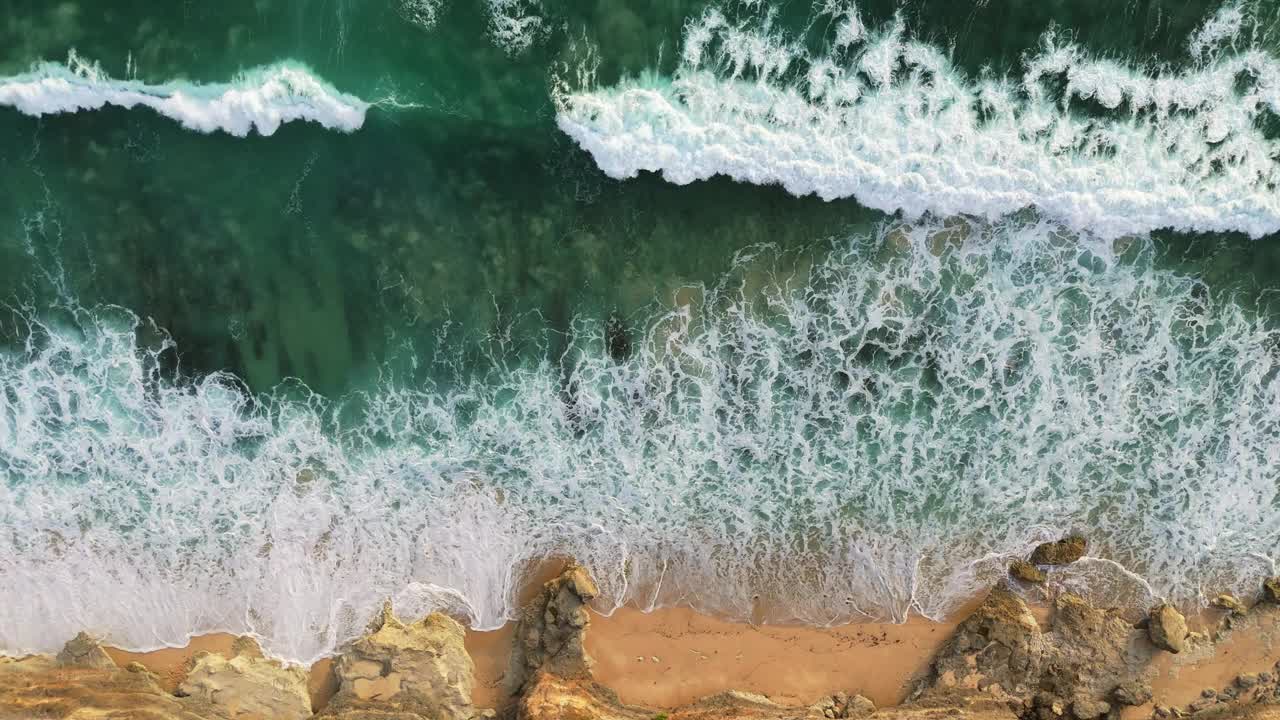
[1167, 628]
[1026, 572]
[1271, 589]
[1060, 552]
[1230, 603]
[408, 670]
[248, 684]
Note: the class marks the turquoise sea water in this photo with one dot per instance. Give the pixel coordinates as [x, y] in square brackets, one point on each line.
[831, 307]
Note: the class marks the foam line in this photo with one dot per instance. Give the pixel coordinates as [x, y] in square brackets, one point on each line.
[261, 99]
[1098, 145]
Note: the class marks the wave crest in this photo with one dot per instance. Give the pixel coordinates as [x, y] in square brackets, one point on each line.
[261, 99]
[1098, 145]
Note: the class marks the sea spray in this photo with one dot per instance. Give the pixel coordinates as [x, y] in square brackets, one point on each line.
[865, 433]
[1096, 144]
[261, 99]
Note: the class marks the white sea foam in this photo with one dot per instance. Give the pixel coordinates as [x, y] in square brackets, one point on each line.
[1097, 144]
[514, 25]
[870, 435]
[262, 99]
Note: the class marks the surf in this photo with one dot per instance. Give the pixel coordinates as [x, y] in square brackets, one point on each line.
[869, 430]
[259, 100]
[1100, 145]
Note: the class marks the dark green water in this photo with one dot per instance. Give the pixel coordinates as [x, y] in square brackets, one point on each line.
[460, 245]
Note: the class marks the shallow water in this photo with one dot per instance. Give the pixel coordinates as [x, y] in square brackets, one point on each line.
[313, 304]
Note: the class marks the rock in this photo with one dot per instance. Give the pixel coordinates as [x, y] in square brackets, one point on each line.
[1132, 693]
[85, 652]
[1271, 589]
[1230, 603]
[1168, 629]
[1060, 552]
[1026, 572]
[999, 644]
[550, 633]
[841, 705]
[419, 669]
[1086, 659]
[1246, 680]
[859, 706]
[1208, 693]
[42, 687]
[1088, 709]
[248, 685]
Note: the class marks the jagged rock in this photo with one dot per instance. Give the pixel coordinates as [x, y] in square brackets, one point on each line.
[548, 696]
[1271, 589]
[1230, 603]
[1167, 628]
[1132, 693]
[1026, 572]
[406, 671]
[1073, 667]
[248, 685]
[1000, 644]
[85, 652]
[1246, 680]
[1060, 552]
[1086, 708]
[841, 705]
[550, 633]
[43, 687]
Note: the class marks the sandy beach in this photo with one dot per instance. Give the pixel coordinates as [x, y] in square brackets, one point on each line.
[674, 656]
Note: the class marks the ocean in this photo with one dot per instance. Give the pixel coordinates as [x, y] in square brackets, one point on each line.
[808, 312]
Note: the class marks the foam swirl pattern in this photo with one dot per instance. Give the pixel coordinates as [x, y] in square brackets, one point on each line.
[259, 100]
[1096, 144]
[860, 433]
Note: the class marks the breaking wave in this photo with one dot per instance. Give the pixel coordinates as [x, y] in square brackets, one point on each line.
[862, 432]
[262, 99]
[1097, 144]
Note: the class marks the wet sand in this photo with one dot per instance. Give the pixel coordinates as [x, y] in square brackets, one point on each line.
[674, 656]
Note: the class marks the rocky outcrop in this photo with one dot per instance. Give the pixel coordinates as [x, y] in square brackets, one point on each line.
[1167, 628]
[1071, 669]
[1132, 693]
[83, 683]
[551, 629]
[1060, 552]
[84, 651]
[1250, 695]
[248, 685]
[1026, 572]
[1271, 590]
[406, 671]
[1000, 647]
[1230, 603]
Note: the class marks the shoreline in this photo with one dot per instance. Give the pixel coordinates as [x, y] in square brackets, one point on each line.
[1002, 657]
[699, 655]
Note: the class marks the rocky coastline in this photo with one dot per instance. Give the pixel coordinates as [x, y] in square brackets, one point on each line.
[1001, 663]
